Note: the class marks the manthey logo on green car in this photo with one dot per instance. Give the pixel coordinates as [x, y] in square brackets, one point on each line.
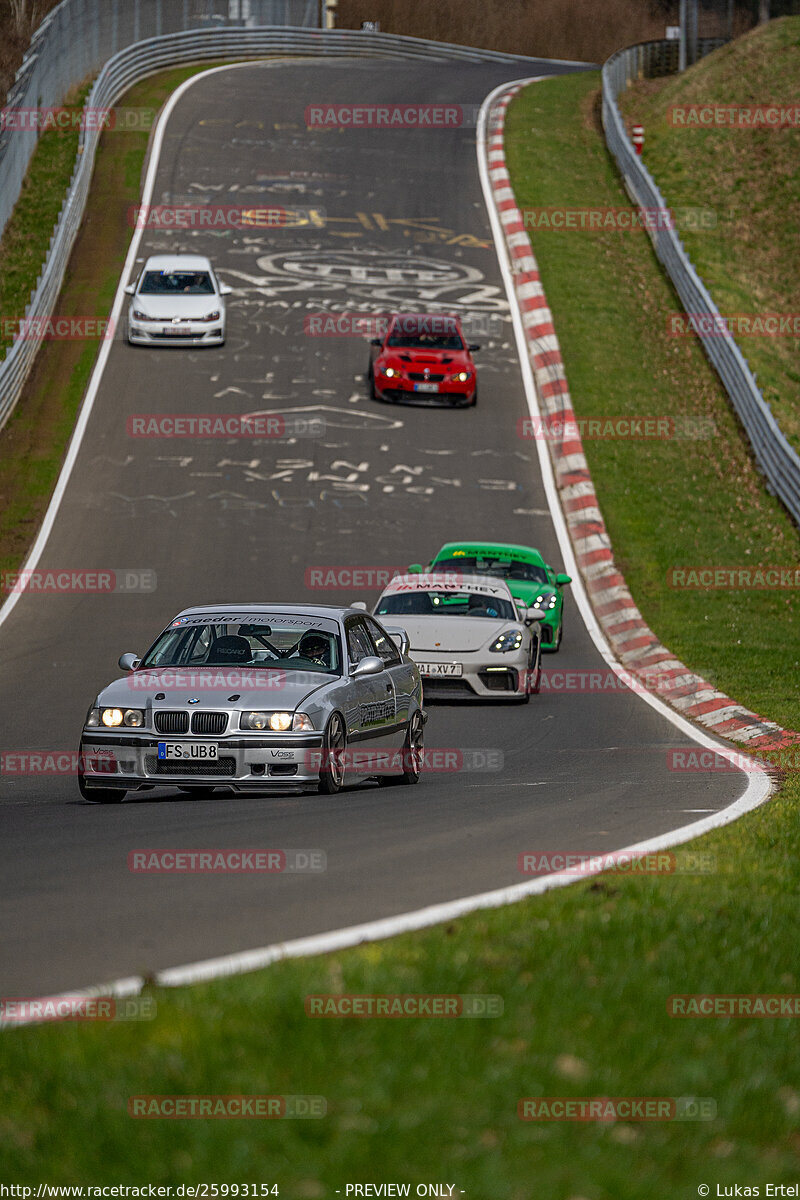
[530, 579]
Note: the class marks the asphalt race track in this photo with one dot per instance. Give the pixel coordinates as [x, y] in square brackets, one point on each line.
[220, 520]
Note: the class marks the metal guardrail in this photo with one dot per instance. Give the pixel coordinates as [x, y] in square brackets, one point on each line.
[774, 455]
[78, 36]
[142, 58]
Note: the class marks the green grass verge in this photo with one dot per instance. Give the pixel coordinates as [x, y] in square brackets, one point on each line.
[750, 179]
[584, 973]
[34, 440]
[670, 503]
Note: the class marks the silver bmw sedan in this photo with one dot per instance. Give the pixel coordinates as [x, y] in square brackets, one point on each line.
[257, 697]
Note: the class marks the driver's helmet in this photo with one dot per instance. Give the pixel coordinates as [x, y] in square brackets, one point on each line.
[314, 646]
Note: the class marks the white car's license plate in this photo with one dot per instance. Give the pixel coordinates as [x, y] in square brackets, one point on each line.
[188, 751]
[176, 331]
[426, 387]
[432, 669]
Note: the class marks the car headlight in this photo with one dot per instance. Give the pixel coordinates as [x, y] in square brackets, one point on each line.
[212, 316]
[510, 640]
[113, 717]
[138, 315]
[545, 600]
[390, 372]
[462, 376]
[278, 722]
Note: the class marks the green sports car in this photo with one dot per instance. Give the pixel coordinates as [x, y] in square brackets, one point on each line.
[528, 576]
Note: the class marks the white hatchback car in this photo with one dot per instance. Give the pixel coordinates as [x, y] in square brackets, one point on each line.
[177, 301]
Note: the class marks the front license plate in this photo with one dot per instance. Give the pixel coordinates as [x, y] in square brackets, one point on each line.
[176, 331]
[426, 387]
[432, 669]
[188, 751]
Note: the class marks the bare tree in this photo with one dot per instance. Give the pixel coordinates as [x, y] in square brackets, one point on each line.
[24, 14]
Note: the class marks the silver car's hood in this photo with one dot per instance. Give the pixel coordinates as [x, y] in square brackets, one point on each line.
[263, 687]
[440, 635]
[164, 308]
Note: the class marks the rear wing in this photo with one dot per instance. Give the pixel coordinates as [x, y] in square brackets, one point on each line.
[399, 637]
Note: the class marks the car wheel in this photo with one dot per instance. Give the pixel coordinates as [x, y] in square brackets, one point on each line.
[334, 748]
[413, 753]
[100, 795]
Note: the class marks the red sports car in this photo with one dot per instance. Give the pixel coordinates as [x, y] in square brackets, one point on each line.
[423, 359]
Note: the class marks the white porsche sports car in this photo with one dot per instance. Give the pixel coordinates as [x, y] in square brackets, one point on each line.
[468, 636]
[177, 301]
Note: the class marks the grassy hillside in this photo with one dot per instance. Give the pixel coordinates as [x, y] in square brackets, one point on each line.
[751, 179]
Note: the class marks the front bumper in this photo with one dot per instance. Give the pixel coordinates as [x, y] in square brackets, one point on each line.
[188, 333]
[401, 391]
[484, 680]
[130, 762]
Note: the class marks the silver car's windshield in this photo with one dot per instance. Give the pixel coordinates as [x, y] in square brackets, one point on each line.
[177, 283]
[446, 604]
[295, 644]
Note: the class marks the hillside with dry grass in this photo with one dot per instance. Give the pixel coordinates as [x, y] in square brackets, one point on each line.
[589, 30]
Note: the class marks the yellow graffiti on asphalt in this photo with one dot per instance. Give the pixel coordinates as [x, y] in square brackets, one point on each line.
[418, 229]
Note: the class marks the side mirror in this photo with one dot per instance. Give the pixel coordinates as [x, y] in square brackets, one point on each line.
[376, 341]
[473, 346]
[128, 662]
[130, 289]
[416, 569]
[225, 289]
[371, 665]
[561, 580]
[534, 615]
[399, 637]
[359, 604]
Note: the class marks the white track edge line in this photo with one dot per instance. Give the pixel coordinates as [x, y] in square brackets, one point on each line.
[758, 790]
